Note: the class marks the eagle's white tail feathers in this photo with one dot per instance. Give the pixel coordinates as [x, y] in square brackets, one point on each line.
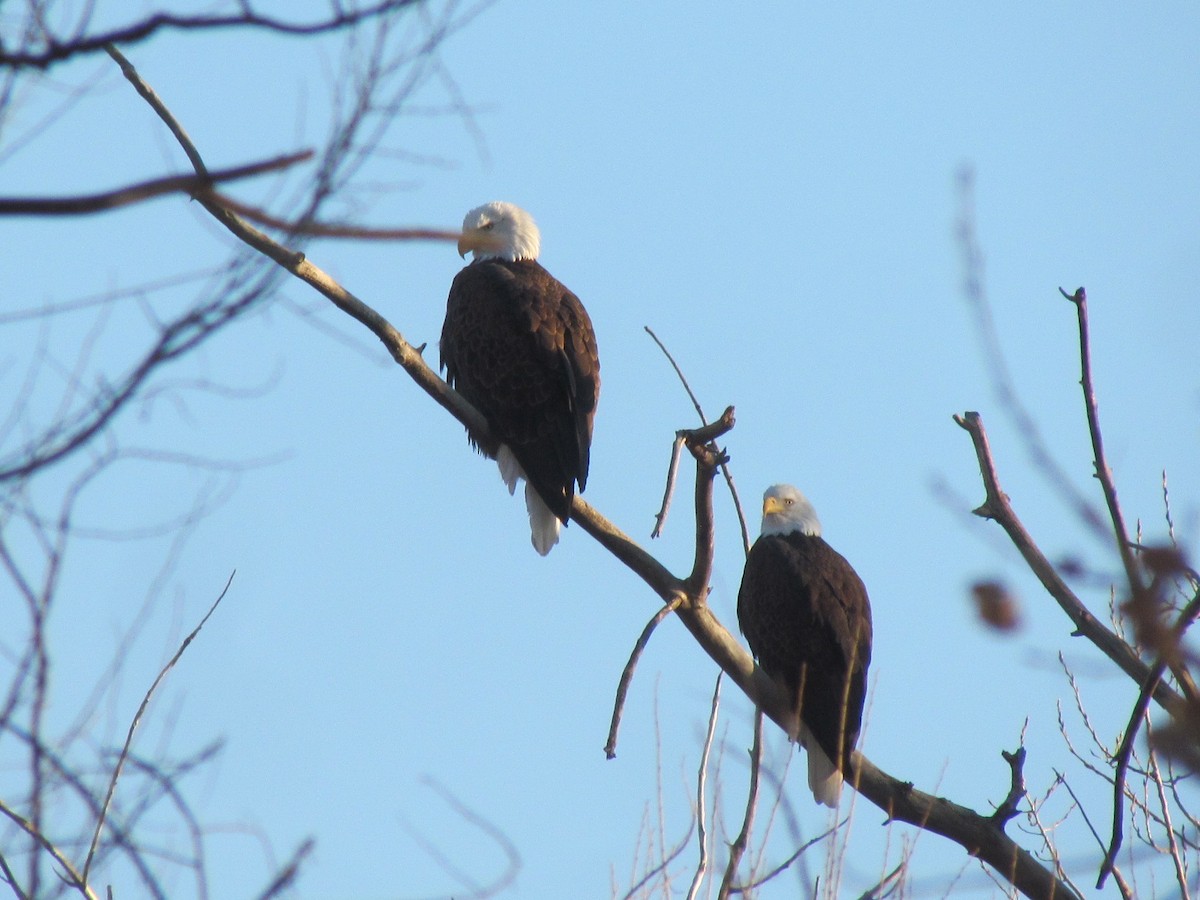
[510, 469]
[824, 779]
[543, 524]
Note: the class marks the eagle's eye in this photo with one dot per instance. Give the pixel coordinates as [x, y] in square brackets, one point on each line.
[487, 226]
[788, 502]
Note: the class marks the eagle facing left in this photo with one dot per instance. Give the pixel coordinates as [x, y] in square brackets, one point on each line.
[519, 346]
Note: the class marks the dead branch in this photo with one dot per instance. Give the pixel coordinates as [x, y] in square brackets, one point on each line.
[146, 190]
[660, 517]
[1008, 809]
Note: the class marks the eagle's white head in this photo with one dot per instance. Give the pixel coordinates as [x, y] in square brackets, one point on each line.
[786, 510]
[499, 230]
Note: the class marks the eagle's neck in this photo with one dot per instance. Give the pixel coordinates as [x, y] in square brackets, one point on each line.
[807, 525]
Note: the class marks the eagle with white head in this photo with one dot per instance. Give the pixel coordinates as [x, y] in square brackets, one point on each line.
[519, 346]
[805, 613]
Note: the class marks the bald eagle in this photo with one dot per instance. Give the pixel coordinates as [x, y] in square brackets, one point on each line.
[520, 348]
[804, 612]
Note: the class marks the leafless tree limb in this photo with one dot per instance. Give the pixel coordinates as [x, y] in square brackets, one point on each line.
[728, 475]
[660, 517]
[997, 507]
[610, 747]
[287, 875]
[783, 866]
[55, 48]
[1102, 470]
[145, 190]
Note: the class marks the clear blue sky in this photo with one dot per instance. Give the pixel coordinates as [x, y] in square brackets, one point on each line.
[774, 194]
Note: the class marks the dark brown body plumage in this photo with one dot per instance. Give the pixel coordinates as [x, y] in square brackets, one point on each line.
[520, 348]
[806, 616]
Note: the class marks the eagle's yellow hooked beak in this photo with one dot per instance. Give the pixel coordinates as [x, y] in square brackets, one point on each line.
[772, 505]
[477, 239]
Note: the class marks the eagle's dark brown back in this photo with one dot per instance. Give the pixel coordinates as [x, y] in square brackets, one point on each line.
[520, 348]
[805, 613]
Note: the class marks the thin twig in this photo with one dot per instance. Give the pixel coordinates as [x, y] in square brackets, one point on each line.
[701, 790]
[112, 784]
[70, 875]
[660, 517]
[1165, 806]
[738, 848]
[759, 882]
[57, 50]
[287, 875]
[327, 230]
[1185, 619]
[1103, 471]
[725, 472]
[610, 747]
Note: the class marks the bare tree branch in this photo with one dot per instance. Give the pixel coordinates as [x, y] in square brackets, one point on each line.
[56, 49]
[1103, 471]
[610, 747]
[997, 507]
[145, 190]
[112, 784]
[69, 873]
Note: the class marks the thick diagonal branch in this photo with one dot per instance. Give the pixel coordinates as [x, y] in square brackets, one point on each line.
[997, 507]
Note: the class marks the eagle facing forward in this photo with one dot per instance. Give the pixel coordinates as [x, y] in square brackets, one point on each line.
[805, 613]
[520, 348]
